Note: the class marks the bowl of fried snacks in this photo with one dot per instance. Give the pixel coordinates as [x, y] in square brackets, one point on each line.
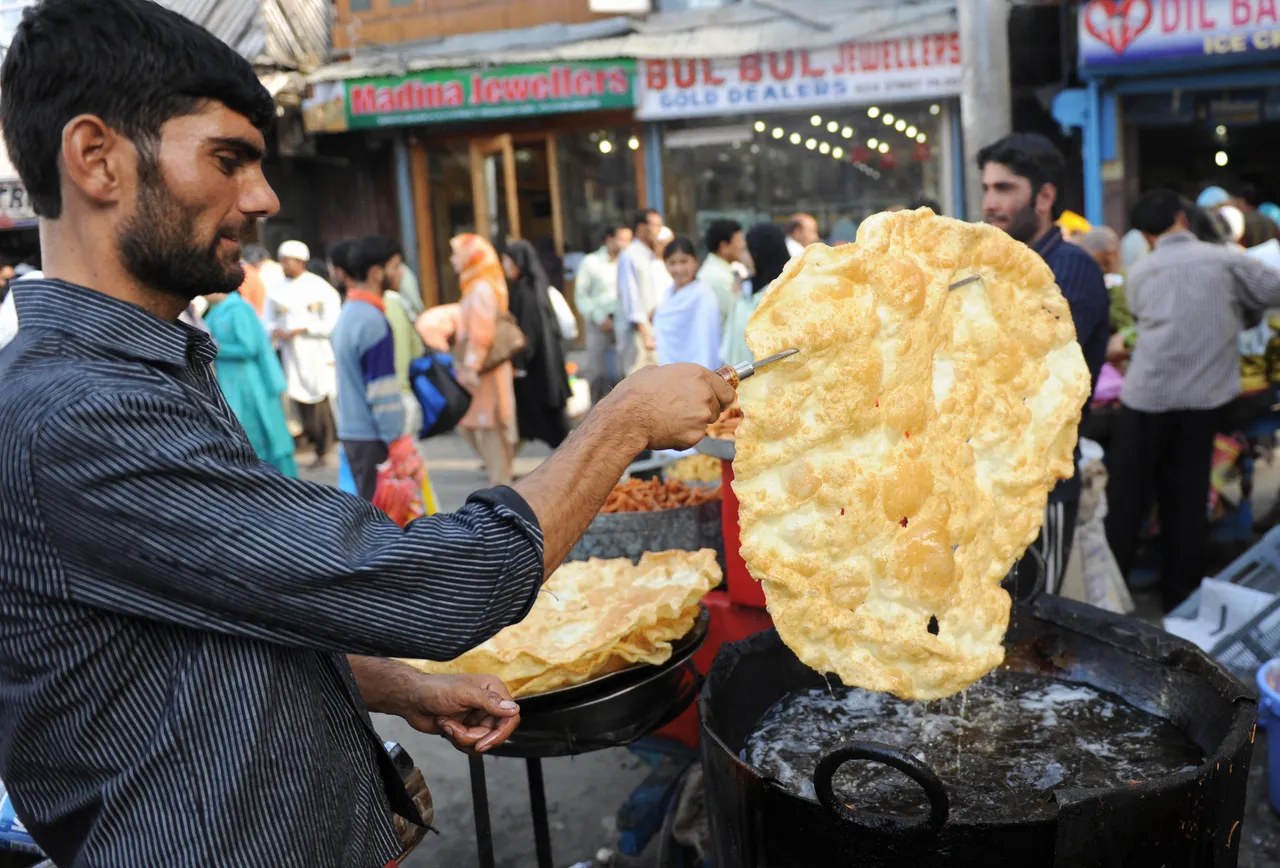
[653, 516]
[593, 618]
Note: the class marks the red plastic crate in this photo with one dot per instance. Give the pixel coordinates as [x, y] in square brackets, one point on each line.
[743, 590]
[729, 623]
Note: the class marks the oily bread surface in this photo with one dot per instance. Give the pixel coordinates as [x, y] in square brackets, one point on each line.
[592, 618]
[893, 471]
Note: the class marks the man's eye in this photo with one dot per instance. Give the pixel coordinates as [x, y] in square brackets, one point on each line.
[229, 164]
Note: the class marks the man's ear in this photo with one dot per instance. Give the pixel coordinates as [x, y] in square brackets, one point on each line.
[1047, 195]
[96, 160]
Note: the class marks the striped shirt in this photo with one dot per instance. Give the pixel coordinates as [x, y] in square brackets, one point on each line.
[1190, 299]
[174, 612]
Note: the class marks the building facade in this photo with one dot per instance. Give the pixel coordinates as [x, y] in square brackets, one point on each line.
[549, 122]
[1177, 94]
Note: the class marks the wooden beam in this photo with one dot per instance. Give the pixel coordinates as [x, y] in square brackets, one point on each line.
[513, 194]
[479, 191]
[557, 203]
[428, 273]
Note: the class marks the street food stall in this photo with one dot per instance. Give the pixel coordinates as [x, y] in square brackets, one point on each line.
[881, 484]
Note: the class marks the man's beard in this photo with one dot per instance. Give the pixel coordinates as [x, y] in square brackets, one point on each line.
[1024, 226]
[158, 245]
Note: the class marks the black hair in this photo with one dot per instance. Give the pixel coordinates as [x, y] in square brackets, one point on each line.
[611, 231]
[767, 245]
[340, 253]
[1206, 225]
[796, 222]
[721, 232]
[641, 217]
[1248, 193]
[367, 253]
[1157, 211]
[680, 244]
[132, 63]
[1031, 156]
[925, 202]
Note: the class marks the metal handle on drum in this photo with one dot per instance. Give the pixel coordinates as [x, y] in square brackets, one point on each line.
[939, 804]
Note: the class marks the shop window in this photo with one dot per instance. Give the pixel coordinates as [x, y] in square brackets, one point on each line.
[597, 185]
[402, 3]
[839, 164]
[360, 5]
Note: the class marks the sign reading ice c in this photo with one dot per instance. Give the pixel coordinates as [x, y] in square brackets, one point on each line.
[923, 67]
[1122, 33]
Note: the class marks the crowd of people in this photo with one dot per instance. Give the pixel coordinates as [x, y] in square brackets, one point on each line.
[1170, 317]
[647, 298]
[318, 351]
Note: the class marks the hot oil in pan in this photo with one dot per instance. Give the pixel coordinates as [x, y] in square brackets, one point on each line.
[1000, 747]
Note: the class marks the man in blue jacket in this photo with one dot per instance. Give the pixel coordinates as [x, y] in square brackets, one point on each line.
[1021, 179]
[370, 413]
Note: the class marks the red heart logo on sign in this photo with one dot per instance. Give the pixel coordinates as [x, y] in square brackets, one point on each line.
[1117, 22]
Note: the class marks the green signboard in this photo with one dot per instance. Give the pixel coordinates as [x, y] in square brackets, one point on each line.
[438, 95]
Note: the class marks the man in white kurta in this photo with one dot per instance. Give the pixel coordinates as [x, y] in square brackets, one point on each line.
[301, 311]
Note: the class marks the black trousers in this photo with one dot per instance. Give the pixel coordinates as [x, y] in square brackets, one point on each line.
[317, 424]
[1162, 459]
[1057, 535]
[363, 457]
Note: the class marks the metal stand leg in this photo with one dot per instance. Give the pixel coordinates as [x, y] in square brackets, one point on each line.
[480, 804]
[538, 804]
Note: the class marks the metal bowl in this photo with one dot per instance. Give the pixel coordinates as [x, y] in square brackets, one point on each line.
[612, 710]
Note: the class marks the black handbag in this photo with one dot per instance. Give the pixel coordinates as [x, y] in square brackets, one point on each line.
[443, 400]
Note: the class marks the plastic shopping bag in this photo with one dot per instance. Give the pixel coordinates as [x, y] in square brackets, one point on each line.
[402, 481]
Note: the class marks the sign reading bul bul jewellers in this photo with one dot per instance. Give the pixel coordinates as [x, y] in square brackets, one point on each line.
[1115, 34]
[433, 96]
[918, 67]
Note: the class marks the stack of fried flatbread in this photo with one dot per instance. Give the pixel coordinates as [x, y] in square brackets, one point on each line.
[891, 473]
[592, 618]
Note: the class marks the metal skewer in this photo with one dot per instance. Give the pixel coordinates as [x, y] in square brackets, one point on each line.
[735, 374]
[973, 278]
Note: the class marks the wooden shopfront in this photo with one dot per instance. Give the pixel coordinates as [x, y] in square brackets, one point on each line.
[549, 153]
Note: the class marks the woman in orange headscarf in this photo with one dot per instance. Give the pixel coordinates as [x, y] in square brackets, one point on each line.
[490, 424]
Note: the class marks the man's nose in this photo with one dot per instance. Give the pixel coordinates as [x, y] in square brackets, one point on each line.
[258, 200]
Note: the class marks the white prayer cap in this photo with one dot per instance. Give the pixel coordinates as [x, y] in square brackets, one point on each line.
[295, 250]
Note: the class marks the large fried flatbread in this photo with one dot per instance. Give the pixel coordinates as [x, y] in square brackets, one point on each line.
[893, 471]
[592, 618]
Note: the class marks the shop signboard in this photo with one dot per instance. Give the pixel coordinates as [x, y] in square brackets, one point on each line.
[893, 70]
[1121, 35]
[440, 95]
[15, 207]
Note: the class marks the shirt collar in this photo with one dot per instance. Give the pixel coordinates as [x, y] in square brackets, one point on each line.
[1182, 236]
[644, 250]
[107, 322]
[1046, 244]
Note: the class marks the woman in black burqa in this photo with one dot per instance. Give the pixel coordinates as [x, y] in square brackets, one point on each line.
[542, 385]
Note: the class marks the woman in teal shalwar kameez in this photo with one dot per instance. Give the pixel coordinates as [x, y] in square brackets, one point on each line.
[251, 378]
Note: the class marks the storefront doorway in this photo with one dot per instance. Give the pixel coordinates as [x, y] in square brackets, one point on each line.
[1189, 140]
[515, 188]
[555, 188]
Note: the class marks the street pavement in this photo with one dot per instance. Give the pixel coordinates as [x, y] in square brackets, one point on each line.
[583, 793]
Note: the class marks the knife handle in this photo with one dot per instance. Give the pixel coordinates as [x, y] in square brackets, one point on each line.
[729, 375]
